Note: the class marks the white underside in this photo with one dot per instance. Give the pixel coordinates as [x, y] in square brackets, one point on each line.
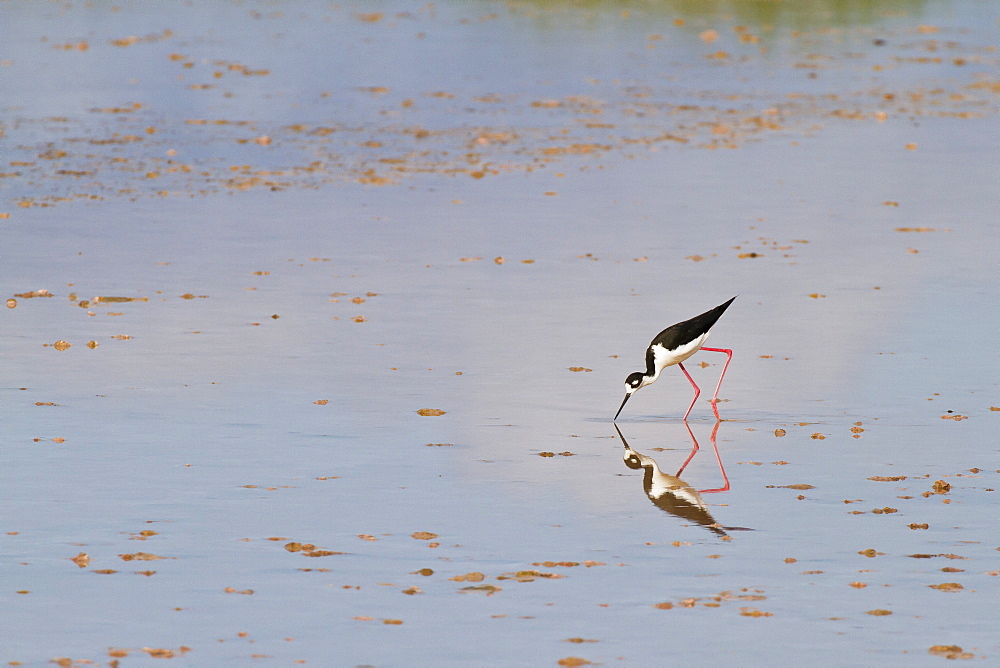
[663, 483]
[662, 358]
[677, 488]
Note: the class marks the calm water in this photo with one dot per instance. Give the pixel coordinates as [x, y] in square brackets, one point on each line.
[328, 217]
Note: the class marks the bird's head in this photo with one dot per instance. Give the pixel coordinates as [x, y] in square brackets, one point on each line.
[634, 382]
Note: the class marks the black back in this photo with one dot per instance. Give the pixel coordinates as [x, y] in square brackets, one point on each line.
[689, 330]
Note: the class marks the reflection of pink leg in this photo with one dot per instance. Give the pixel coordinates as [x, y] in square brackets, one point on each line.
[697, 391]
[715, 447]
[715, 397]
[694, 450]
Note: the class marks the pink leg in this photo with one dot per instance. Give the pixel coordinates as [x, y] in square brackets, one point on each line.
[694, 450]
[715, 397]
[715, 447]
[697, 391]
[718, 458]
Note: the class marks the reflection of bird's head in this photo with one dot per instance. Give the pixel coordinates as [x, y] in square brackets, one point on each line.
[634, 460]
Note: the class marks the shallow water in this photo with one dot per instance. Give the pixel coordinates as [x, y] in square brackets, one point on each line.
[372, 211]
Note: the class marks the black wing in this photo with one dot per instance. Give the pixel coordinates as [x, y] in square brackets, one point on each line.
[689, 330]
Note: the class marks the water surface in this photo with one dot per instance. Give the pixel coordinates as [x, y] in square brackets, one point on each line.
[316, 220]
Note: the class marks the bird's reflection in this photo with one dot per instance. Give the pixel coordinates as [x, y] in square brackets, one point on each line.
[671, 494]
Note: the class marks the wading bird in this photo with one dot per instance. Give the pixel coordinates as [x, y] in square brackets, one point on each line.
[674, 345]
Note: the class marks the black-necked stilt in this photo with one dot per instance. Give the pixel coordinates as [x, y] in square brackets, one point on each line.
[671, 494]
[674, 345]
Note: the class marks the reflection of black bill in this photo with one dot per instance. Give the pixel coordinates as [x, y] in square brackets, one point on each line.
[621, 407]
